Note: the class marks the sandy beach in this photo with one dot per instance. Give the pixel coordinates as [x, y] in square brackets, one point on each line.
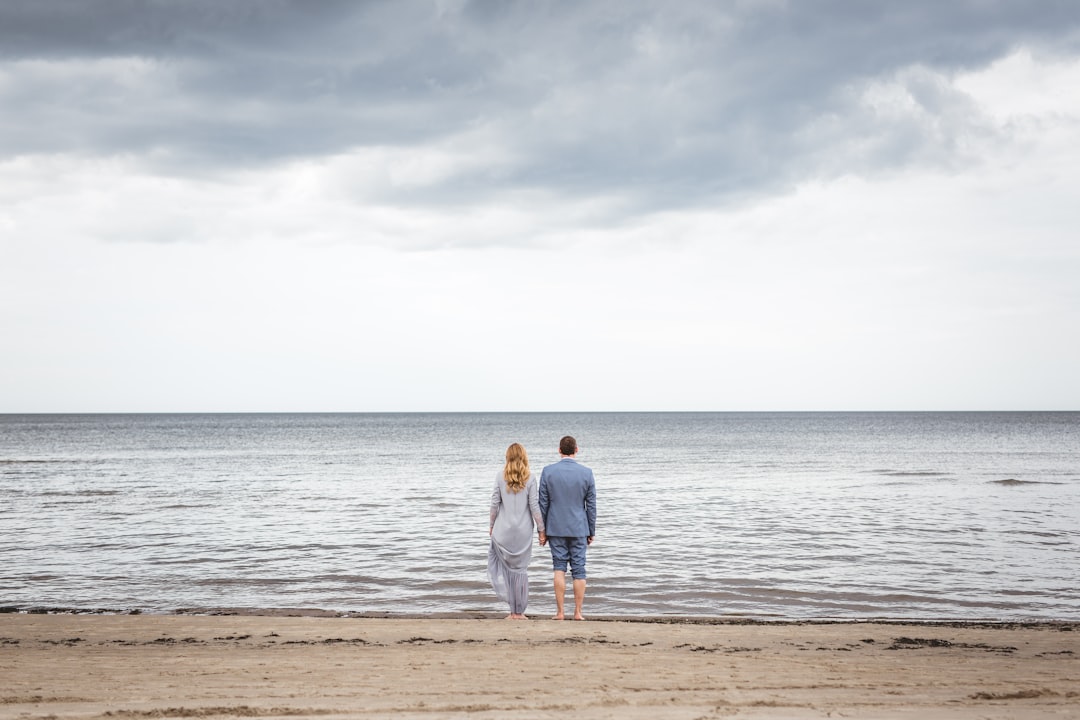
[151, 666]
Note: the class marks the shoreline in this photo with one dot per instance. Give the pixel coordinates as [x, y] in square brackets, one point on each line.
[1060, 623]
[82, 666]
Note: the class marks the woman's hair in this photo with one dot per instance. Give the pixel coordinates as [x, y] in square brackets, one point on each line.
[516, 471]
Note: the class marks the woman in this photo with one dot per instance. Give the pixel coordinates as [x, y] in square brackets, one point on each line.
[515, 510]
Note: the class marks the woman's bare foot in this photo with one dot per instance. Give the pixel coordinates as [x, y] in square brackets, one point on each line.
[558, 617]
[579, 617]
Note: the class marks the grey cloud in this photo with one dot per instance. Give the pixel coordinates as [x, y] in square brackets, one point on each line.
[664, 104]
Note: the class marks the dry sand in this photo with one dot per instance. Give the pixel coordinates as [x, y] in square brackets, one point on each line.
[147, 666]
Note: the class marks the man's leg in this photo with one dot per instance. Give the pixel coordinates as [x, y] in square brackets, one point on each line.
[560, 590]
[577, 548]
[579, 597]
[560, 556]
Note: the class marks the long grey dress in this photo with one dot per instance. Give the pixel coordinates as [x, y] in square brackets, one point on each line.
[513, 519]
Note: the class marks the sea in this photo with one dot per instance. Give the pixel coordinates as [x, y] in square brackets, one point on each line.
[861, 515]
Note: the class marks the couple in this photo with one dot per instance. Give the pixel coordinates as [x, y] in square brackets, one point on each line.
[562, 507]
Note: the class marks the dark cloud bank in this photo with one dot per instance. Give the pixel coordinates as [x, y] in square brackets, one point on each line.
[662, 103]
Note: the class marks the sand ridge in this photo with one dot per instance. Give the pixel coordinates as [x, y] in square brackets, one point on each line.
[161, 666]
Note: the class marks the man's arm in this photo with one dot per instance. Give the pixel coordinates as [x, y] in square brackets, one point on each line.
[590, 506]
[544, 499]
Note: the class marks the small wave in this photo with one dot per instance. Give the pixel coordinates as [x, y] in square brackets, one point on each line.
[913, 473]
[246, 582]
[1014, 481]
[187, 561]
[78, 493]
[1034, 533]
[56, 461]
[470, 585]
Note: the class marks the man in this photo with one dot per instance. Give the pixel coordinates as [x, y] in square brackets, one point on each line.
[568, 504]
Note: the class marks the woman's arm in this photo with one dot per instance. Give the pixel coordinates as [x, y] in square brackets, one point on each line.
[534, 505]
[496, 502]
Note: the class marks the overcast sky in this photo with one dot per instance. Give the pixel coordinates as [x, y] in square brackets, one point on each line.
[265, 205]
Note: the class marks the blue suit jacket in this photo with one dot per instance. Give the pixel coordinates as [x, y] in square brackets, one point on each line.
[568, 499]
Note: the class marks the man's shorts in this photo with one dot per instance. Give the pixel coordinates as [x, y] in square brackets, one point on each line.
[569, 549]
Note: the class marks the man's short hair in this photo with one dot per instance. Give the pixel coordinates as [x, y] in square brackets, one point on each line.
[568, 446]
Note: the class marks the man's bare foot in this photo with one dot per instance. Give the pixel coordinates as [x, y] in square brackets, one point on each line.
[579, 617]
[558, 617]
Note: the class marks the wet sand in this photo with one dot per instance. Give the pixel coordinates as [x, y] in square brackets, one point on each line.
[159, 666]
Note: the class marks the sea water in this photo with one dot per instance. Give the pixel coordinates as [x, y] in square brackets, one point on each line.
[791, 515]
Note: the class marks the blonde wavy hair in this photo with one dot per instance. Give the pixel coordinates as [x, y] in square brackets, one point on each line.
[516, 472]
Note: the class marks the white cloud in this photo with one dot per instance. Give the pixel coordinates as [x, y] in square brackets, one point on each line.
[906, 292]
[1020, 86]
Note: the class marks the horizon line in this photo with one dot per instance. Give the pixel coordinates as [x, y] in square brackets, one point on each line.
[518, 412]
